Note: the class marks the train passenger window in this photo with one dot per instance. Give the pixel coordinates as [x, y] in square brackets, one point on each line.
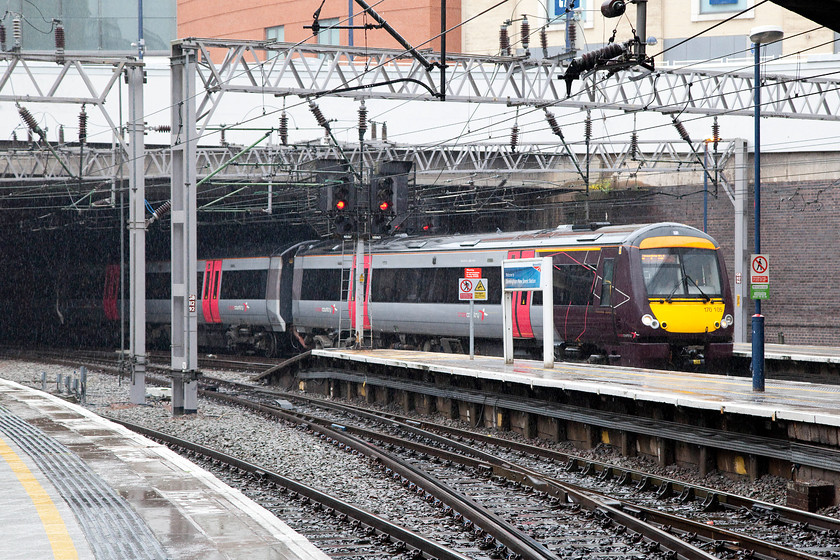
[607, 283]
[321, 284]
[573, 284]
[158, 285]
[244, 284]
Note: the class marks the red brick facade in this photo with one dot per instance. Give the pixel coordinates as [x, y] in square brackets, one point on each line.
[416, 21]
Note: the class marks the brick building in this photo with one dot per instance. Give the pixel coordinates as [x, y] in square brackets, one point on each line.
[284, 20]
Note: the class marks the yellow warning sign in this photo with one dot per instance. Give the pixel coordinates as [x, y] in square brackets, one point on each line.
[480, 290]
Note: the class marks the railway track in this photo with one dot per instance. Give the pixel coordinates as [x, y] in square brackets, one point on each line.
[633, 512]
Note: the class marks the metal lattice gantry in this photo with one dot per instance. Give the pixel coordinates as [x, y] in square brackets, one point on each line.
[26, 80]
[24, 166]
[313, 70]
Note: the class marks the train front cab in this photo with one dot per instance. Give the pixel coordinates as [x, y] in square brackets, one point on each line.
[681, 313]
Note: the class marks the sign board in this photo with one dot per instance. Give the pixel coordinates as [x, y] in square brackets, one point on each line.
[472, 289]
[524, 276]
[760, 291]
[760, 269]
[472, 273]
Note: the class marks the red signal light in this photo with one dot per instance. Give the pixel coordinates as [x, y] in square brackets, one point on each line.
[384, 205]
[340, 205]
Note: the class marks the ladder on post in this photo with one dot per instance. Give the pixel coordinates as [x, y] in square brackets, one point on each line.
[345, 286]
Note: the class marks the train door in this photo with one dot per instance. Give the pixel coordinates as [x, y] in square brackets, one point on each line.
[112, 289]
[210, 291]
[522, 302]
[366, 294]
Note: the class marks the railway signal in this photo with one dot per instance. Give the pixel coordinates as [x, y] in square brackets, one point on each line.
[389, 195]
[336, 194]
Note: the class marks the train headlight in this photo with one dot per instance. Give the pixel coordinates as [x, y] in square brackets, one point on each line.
[649, 321]
[727, 321]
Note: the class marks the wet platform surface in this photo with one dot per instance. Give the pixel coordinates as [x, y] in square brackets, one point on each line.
[792, 352]
[78, 486]
[781, 400]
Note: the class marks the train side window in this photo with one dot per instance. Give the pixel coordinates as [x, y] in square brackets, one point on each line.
[607, 284]
[158, 285]
[321, 284]
[244, 284]
[573, 284]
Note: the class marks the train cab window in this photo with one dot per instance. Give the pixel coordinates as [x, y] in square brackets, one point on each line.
[681, 272]
[607, 283]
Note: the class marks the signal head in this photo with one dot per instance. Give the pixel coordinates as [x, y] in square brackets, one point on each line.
[340, 204]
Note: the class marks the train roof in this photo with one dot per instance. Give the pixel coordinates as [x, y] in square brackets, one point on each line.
[564, 235]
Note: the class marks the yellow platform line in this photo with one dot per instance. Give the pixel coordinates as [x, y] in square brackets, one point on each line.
[60, 541]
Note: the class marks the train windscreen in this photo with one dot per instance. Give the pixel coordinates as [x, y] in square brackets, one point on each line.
[681, 272]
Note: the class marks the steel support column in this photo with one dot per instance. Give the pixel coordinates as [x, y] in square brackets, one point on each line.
[184, 335]
[742, 301]
[137, 235]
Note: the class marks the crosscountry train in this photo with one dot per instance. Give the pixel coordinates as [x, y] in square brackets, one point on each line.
[652, 295]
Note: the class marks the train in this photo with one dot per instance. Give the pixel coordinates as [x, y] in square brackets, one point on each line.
[644, 295]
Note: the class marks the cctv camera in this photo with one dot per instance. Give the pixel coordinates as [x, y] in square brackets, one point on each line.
[613, 8]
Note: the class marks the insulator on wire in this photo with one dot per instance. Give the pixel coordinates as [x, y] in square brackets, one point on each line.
[319, 116]
[17, 33]
[284, 128]
[223, 139]
[525, 34]
[61, 134]
[362, 121]
[28, 136]
[384, 132]
[14, 139]
[514, 137]
[634, 145]
[162, 128]
[82, 126]
[544, 41]
[681, 130]
[161, 211]
[552, 122]
[2, 36]
[715, 133]
[372, 130]
[28, 119]
[504, 41]
[571, 34]
[587, 126]
[59, 43]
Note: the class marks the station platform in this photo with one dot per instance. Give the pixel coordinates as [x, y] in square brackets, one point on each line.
[791, 352]
[781, 400]
[76, 485]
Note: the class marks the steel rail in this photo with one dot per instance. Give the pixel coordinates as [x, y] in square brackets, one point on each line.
[407, 536]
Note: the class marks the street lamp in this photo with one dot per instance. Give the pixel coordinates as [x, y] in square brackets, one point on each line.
[759, 35]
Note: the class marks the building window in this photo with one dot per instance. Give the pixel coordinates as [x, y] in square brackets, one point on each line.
[329, 35]
[276, 33]
[704, 10]
[557, 10]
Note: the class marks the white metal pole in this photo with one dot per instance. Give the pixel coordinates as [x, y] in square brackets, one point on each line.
[359, 322]
[507, 326]
[472, 329]
[547, 285]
